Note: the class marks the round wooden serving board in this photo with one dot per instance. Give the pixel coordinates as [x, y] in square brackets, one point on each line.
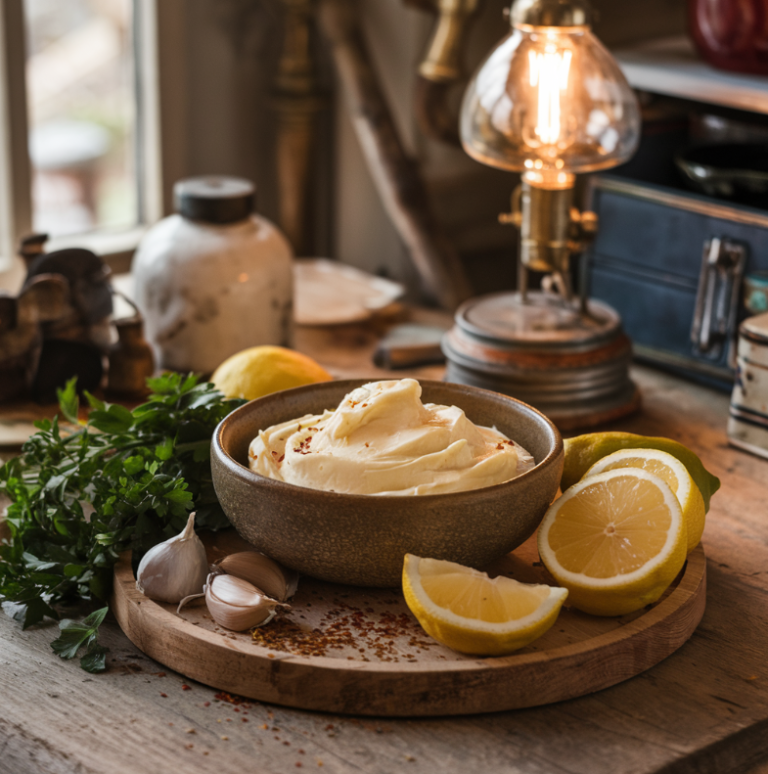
[360, 651]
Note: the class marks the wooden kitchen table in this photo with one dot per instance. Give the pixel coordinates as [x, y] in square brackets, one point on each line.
[703, 709]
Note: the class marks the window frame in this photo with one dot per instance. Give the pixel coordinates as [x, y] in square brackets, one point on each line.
[160, 111]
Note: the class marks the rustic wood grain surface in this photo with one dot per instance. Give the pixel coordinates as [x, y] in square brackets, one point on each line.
[704, 709]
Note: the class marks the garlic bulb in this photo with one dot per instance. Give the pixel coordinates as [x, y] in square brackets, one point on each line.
[175, 568]
[236, 604]
[266, 574]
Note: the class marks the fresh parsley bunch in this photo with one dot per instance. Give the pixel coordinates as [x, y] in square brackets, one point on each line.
[124, 480]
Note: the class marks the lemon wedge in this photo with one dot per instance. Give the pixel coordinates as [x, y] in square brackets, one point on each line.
[472, 613]
[676, 475]
[615, 540]
[258, 371]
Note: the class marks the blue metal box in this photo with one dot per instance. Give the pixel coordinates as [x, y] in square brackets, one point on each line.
[671, 263]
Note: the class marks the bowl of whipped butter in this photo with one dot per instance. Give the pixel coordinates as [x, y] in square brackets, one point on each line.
[340, 480]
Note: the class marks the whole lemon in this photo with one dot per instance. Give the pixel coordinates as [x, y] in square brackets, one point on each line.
[258, 371]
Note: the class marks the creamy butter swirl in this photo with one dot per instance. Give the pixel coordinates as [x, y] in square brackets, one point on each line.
[382, 440]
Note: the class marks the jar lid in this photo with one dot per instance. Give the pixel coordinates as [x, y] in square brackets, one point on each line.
[215, 199]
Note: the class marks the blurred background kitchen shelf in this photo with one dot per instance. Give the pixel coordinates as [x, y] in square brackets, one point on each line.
[671, 66]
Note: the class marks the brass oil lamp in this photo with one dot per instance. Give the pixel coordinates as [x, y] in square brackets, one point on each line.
[551, 103]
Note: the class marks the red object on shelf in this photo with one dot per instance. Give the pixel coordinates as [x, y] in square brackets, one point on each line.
[731, 34]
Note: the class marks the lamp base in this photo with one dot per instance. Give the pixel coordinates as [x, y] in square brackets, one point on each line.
[571, 365]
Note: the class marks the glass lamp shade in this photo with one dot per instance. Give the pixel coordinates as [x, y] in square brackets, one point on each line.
[550, 102]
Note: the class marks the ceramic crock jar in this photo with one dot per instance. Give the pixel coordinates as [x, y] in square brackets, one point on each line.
[731, 34]
[214, 278]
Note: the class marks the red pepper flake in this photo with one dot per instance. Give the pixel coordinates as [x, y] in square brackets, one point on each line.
[299, 764]
[164, 695]
[231, 698]
[265, 726]
[281, 458]
[159, 674]
[303, 447]
[185, 687]
[287, 743]
[245, 720]
[206, 704]
[301, 752]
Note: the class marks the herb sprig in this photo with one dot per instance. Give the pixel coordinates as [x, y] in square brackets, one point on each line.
[123, 480]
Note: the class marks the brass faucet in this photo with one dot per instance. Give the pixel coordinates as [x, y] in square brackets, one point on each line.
[443, 67]
[443, 62]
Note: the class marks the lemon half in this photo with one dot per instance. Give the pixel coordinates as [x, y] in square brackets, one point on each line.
[583, 451]
[615, 540]
[258, 371]
[673, 472]
[472, 613]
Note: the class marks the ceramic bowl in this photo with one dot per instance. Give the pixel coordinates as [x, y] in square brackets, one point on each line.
[362, 539]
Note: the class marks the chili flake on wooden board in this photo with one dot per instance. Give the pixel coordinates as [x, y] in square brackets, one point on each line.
[335, 621]
[328, 620]
[355, 624]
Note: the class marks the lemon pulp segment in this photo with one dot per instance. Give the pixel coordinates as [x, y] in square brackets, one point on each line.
[670, 470]
[615, 540]
[483, 598]
[613, 531]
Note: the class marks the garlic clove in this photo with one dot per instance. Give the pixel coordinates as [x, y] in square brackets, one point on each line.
[238, 605]
[266, 574]
[175, 568]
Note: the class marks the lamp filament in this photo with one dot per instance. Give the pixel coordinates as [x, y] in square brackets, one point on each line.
[549, 73]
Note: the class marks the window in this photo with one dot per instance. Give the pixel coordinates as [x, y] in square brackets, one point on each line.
[80, 128]
[81, 108]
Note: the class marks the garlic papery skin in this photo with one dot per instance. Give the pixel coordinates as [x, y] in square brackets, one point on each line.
[238, 605]
[175, 568]
[266, 574]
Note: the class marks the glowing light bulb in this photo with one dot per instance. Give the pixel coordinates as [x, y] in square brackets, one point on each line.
[553, 96]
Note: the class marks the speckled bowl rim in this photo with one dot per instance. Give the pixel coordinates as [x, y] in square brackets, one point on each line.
[238, 468]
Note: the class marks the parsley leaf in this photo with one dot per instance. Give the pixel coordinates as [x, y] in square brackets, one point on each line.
[75, 635]
[124, 480]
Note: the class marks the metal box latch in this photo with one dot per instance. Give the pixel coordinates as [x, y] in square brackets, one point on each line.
[714, 320]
